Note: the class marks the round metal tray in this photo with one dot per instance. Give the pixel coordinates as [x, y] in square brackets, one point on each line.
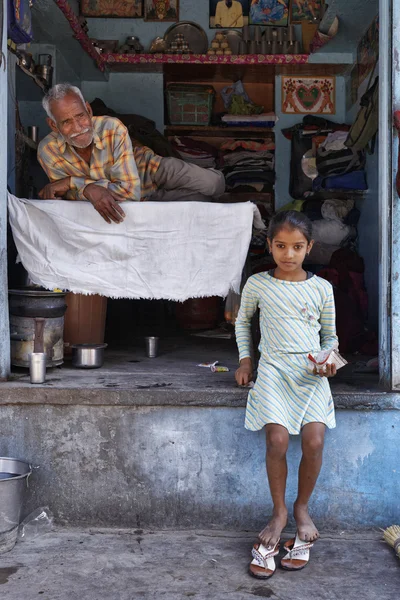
[195, 36]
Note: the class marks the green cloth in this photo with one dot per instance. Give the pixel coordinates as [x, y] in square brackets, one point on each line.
[239, 106]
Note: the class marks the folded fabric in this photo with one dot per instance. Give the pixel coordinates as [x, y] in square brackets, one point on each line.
[171, 250]
[330, 231]
[337, 210]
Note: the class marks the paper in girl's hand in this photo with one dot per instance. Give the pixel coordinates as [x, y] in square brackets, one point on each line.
[326, 357]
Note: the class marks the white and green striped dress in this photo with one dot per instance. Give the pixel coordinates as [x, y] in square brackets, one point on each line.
[296, 318]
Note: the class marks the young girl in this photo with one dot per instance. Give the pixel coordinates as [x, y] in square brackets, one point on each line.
[297, 317]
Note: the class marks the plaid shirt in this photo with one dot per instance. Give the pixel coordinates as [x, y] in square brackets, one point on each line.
[114, 164]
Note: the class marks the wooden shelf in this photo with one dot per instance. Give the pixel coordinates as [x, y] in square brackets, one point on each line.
[132, 61]
[215, 131]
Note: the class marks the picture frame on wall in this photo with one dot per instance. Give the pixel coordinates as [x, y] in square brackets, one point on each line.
[306, 10]
[161, 10]
[130, 9]
[229, 14]
[269, 12]
[309, 95]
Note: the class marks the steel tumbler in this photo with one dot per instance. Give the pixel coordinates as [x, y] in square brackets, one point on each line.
[37, 367]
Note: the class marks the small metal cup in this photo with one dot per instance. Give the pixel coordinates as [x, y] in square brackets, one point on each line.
[37, 367]
[253, 47]
[242, 47]
[297, 47]
[33, 133]
[151, 346]
[257, 34]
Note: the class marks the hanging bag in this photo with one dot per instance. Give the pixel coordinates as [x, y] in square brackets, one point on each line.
[19, 26]
[362, 135]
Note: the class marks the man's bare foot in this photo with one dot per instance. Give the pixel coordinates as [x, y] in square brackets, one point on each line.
[272, 532]
[305, 526]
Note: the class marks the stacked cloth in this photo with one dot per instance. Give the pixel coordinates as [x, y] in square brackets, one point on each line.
[335, 229]
[162, 250]
[248, 165]
[196, 152]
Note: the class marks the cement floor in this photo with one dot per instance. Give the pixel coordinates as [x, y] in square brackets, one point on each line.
[175, 369]
[78, 564]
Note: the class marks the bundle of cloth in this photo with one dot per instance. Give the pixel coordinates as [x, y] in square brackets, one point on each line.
[248, 165]
[334, 227]
[195, 151]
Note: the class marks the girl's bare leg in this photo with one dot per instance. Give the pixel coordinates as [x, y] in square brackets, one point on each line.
[277, 445]
[312, 442]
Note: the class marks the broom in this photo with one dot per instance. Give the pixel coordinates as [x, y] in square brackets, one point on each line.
[391, 535]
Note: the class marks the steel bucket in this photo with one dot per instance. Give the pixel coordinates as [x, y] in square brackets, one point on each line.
[14, 475]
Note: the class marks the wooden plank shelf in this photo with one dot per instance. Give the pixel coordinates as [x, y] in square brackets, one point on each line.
[113, 61]
[216, 131]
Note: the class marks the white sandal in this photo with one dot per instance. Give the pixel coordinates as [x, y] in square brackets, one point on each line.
[297, 554]
[263, 565]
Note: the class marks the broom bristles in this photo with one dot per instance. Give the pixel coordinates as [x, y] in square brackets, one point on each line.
[391, 535]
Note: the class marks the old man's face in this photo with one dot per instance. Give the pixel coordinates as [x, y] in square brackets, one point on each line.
[73, 120]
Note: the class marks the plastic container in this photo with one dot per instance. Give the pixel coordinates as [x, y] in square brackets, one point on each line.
[189, 104]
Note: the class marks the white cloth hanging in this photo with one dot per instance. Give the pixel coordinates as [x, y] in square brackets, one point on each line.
[171, 250]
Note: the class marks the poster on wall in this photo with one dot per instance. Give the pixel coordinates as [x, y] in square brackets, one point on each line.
[368, 50]
[306, 10]
[229, 13]
[161, 10]
[132, 9]
[308, 95]
[269, 12]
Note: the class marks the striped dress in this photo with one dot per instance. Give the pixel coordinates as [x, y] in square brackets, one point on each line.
[296, 318]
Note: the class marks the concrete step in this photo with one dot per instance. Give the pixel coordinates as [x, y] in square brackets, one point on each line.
[204, 565]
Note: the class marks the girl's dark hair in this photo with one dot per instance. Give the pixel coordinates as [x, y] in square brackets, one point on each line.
[292, 219]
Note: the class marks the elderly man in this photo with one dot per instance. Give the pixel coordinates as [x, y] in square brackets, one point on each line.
[91, 158]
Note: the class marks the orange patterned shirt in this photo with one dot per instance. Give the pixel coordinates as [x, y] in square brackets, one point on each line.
[114, 164]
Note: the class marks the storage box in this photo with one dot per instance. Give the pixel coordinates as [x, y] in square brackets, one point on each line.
[189, 104]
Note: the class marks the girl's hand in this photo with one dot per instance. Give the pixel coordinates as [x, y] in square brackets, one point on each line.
[244, 374]
[330, 371]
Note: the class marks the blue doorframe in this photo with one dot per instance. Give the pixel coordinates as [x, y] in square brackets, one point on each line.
[389, 201]
[4, 322]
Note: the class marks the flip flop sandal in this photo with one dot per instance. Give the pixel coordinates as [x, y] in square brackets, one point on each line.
[297, 554]
[263, 565]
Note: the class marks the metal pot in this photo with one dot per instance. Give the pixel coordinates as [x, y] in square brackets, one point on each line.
[88, 356]
[37, 303]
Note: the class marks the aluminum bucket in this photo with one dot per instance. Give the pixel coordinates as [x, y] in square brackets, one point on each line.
[14, 475]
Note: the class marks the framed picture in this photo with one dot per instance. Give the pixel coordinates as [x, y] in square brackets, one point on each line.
[161, 10]
[229, 13]
[368, 50]
[306, 10]
[132, 9]
[308, 95]
[269, 12]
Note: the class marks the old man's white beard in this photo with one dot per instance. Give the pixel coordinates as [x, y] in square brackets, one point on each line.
[73, 141]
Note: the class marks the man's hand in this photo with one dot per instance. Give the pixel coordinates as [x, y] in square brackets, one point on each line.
[105, 202]
[244, 374]
[329, 371]
[57, 189]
